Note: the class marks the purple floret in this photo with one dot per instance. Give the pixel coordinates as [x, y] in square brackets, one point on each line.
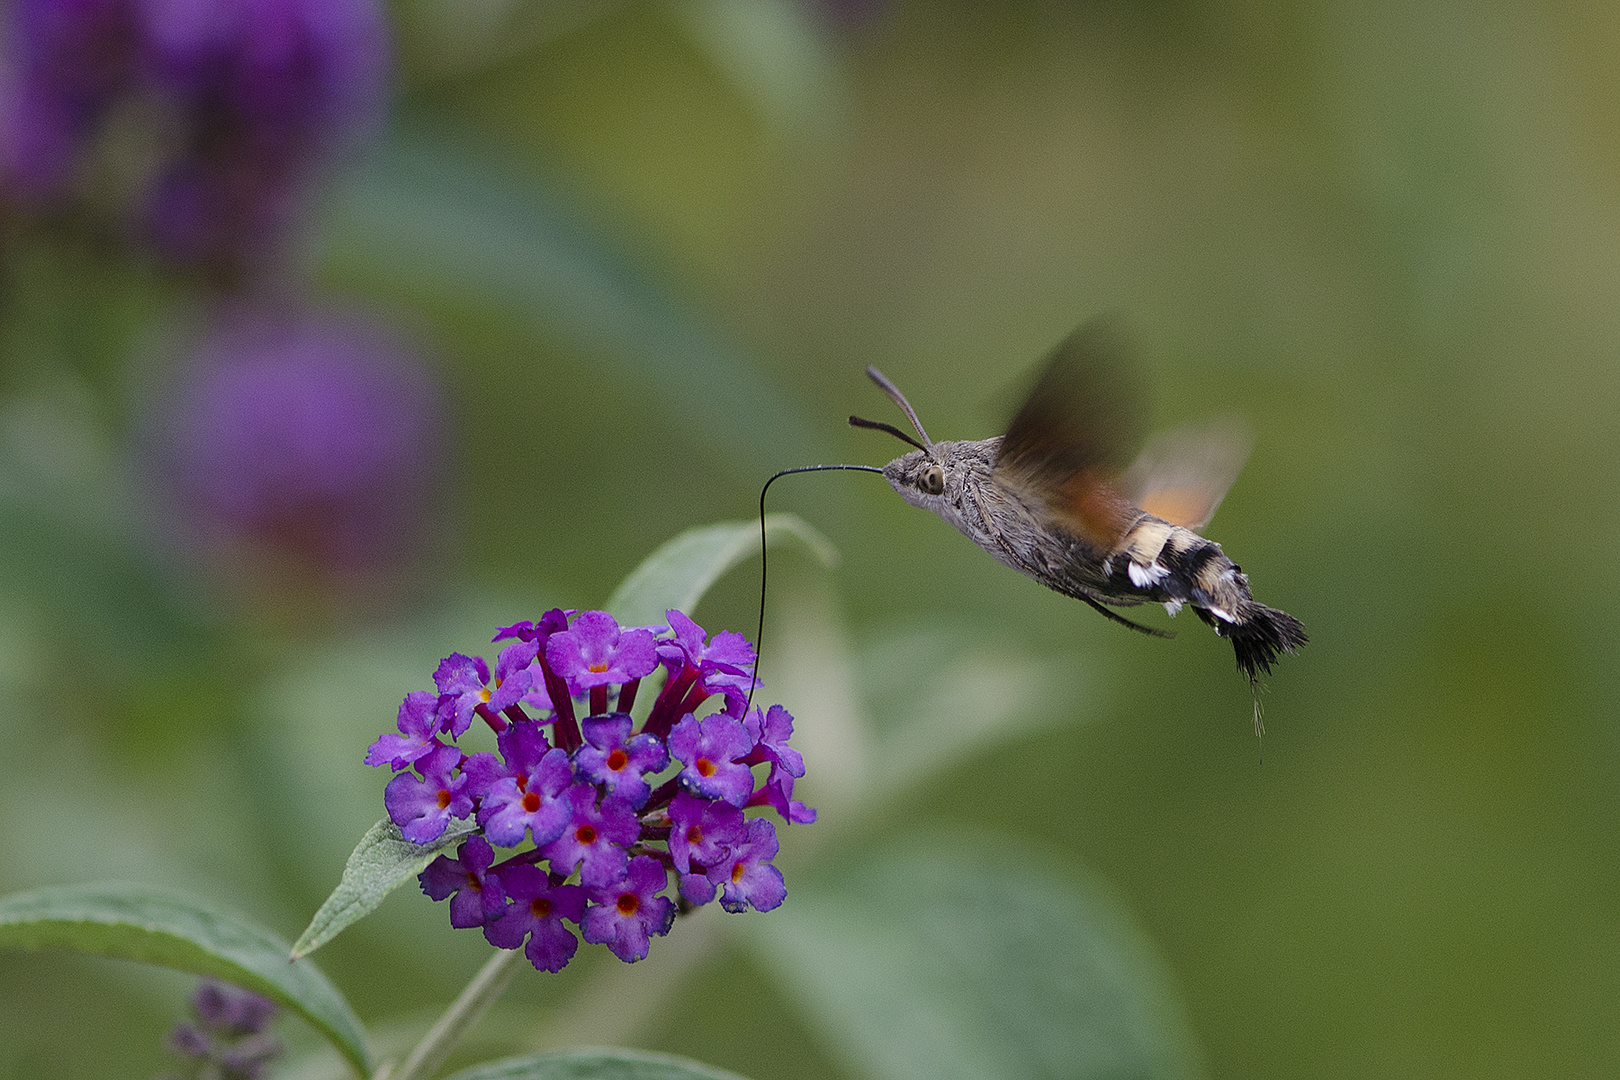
[422, 807]
[513, 676]
[777, 793]
[702, 831]
[596, 837]
[710, 749]
[771, 731]
[538, 807]
[729, 652]
[190, 1041]
[418, 724]
[463, 686]
[616, 760]
[538, 912]
[626, 914]
[595, 652]
[476, 894]
[554, 621]
[481, 770]
[722, 665]
[746, 876]
[523, 747]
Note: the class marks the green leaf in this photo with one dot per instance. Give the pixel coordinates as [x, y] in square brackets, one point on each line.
[945, 960]
[679, 573]
[776, 55]
[139, 922]
[595, 1065]
[430, 205]
[382, 862]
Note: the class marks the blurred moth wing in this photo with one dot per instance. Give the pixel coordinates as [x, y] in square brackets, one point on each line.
[1183, 474]
[1073, 434]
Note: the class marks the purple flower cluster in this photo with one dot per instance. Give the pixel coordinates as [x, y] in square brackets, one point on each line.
[304, 435]
[228, 1040]
[607, 825]
[241, 101]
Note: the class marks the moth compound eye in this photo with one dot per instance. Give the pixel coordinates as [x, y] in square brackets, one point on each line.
[932, 480]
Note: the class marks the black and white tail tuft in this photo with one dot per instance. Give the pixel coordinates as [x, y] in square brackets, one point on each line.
[1260, 635]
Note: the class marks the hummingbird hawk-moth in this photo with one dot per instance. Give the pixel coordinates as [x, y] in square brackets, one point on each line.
[1054, 499]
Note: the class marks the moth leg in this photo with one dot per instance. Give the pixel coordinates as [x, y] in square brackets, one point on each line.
[1123, 621]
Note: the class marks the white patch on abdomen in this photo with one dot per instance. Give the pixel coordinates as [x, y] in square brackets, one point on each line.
[1144, 576]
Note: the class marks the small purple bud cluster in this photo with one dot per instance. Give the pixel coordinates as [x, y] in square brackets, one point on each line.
[228, 1041]
[606, 833]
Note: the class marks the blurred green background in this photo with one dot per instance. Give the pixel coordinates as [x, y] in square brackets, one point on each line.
[648, 248]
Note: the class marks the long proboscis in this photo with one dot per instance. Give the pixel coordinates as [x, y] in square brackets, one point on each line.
[759, 633]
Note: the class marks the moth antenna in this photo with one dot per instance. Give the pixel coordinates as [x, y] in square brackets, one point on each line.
[759, 634]
[878, 425]
[899, 399]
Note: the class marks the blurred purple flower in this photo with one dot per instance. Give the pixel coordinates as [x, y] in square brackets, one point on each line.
[245, 104]
[269, 91]
[314, 437]
[65, 60]
[228, 1038]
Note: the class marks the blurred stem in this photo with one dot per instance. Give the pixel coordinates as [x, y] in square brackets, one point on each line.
[466, 1011]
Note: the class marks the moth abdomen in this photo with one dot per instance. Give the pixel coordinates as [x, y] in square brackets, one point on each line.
[1175, 566]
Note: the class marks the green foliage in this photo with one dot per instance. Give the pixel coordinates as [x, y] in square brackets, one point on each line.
[652, 246]
[430, 205]
[595, 1065]
[939, 958]
[139, 922]
[679, 573]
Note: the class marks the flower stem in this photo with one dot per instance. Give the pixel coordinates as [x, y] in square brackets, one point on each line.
[474, 1001]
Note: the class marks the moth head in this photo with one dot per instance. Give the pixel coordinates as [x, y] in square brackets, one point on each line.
[920, 479]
